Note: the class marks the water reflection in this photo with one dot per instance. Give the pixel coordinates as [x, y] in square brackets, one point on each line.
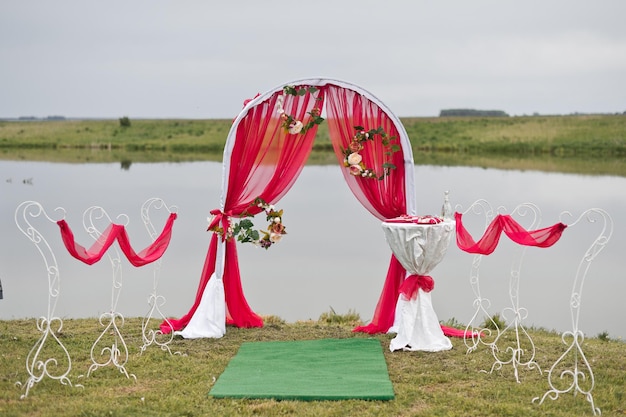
[334, 256]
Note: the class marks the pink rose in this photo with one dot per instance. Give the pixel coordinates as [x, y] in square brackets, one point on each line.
[355, 170]
[277, 228]
[355, 146]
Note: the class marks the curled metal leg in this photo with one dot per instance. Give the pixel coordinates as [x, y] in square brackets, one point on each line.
[150, 336]
[48, 358]
[572, 371]
[110, 344]
[513, 345]
[480, 336]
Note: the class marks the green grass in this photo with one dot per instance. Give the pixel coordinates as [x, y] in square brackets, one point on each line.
[446, 383]
[599, 135]
[576, 144]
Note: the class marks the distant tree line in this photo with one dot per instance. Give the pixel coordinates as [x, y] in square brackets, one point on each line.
[27, 118]
[472, 112]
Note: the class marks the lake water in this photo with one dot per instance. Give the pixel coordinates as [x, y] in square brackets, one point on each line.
[334, 255]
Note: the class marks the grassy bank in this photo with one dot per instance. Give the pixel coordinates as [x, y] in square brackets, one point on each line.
[580, 144]
[425, 383]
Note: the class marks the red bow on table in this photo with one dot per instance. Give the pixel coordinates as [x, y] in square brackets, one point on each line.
[414, 282]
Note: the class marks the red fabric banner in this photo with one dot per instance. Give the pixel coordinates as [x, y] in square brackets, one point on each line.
[542, 238]
[117, 232]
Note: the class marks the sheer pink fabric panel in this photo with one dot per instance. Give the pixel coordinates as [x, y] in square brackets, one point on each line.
[208, 269]
[487, 243]
[117, 232]
[385, 311]
[542, 238]
[384, 199]
[265, 161]
[346, 109]
[96, 251]
[151, 253]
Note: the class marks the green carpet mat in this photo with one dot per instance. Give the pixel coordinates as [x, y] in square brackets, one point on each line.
[327, 369]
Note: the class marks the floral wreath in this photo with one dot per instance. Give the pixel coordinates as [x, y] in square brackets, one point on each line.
[354, 161]
[244, 232]
[291, 124]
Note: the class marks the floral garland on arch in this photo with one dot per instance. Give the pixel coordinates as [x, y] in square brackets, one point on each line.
[290, 123]
[354, 161]
[244, 230]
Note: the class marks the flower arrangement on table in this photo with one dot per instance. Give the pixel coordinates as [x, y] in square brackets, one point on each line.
[354, 161]
[244, 230]
[290, 123]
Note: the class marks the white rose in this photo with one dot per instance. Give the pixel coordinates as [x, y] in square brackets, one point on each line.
[296, 128]
[276, 219]
[354, 159]
[275, 237]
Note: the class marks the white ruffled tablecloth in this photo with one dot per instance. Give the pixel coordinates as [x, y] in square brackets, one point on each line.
[419, 247]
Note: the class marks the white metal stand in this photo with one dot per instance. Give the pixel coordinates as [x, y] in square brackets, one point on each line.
[39, 366]
[572, 371]
[155, 300]
[514, 339]
[479, 335]
[113, 349]
[511, 345]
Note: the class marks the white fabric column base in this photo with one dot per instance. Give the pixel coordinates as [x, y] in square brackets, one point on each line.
[209, 320]
[418, 327]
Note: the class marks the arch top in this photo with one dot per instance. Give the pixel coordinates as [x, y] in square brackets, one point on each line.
[321, 82]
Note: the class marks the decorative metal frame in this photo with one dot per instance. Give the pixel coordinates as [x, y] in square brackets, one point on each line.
[573, 363]
[515, 346]
[155, 300]
[481, 304]
[116, 353]
[37, 366]
[499, 341]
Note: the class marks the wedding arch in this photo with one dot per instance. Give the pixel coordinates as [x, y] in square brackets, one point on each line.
[265, 151]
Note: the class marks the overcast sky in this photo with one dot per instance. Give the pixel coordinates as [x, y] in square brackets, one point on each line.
[201, 59]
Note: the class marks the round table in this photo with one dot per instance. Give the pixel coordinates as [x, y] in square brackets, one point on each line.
[419, 247]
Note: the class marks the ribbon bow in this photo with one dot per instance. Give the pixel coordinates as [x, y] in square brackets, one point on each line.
[219, 217]
[414, 282]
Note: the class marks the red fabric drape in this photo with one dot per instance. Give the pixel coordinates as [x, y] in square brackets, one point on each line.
[264, 162]
[346, 109]
[117, 232]
[542, 238]
[209, 267]
[385, 311]
[386, 198]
